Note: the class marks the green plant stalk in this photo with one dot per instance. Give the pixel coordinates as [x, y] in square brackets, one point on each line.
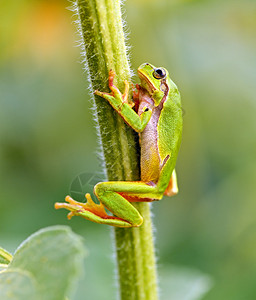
[103, 40]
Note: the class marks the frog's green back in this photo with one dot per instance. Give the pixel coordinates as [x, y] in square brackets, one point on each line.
[170, 125]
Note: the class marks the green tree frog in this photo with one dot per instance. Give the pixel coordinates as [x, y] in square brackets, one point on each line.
[157, 117]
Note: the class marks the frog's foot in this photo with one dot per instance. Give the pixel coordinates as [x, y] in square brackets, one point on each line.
[115, 92]
[77, 208]
[91, 211]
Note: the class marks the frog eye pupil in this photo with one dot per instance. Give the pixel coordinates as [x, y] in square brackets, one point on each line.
[159, 73]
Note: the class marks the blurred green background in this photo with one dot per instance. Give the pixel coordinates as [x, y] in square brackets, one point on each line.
[207, 234]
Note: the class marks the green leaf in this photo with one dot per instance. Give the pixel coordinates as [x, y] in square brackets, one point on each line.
[3, 267]
[18, 285]
[54, 257]
[184, 284]
[5, 256]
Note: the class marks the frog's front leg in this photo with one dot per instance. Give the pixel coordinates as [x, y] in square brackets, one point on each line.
[116, 197]
[120, 103]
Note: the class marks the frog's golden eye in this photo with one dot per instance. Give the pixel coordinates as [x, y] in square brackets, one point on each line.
[159, 73]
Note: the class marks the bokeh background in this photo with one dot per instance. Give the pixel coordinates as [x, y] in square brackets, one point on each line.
[205, 236]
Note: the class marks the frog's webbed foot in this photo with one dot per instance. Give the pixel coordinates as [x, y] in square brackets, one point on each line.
[115, 92]
[78, 208]
[91, 211]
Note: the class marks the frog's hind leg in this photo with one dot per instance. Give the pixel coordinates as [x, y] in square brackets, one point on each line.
[116, 197]
[122, 209]
[91, 211]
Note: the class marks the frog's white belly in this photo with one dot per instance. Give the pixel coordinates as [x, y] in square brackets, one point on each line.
[150, 160]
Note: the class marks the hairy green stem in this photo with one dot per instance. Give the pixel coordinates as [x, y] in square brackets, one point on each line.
[103, 40]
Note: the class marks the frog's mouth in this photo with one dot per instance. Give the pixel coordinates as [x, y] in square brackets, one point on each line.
[146, 83]
[154, 91]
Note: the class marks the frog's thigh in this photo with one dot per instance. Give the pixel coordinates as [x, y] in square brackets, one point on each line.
[112, 196]
[137, 189]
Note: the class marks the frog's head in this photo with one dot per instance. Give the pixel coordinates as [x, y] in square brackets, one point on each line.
[154, 81]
